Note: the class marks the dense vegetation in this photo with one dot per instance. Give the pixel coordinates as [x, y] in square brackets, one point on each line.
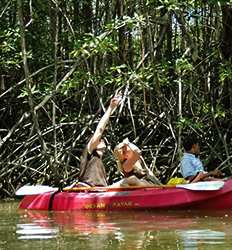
[62, 60]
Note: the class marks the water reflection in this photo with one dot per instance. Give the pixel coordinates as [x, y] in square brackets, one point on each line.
[34, 231]
[130, 230]
[106, 222]
[114, 230]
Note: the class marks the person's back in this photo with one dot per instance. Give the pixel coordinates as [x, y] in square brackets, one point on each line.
[92, 170]
[191, 166]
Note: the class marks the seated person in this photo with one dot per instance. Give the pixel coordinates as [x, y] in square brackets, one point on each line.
[92, 171]
[191, 166]
[132, 165]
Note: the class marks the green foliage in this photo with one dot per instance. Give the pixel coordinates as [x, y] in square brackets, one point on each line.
[114, 75]
[25, 92]
[38, 92]
[75, 83]
[131, 23]
[162, 72]
[225, 72]
[177, 4]
[186, 123]
[219, 111]
[205, 108]
[183, 66]
[10, 49]
[91, 45]
[216, 2]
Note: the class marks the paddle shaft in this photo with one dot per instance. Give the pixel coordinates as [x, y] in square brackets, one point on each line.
[113, 189]
[199, 186]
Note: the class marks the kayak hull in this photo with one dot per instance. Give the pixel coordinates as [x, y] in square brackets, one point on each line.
[142, 198]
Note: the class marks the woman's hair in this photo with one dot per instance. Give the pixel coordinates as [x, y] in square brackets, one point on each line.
[118, 153]
[120, 146]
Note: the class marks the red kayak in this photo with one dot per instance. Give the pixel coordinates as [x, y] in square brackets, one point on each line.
[176, 197]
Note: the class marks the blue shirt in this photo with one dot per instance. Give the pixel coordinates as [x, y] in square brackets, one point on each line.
[190, 165]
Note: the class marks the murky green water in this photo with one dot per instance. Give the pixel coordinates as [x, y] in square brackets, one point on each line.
[113, 230]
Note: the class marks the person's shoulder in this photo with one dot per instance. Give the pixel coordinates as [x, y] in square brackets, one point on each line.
[188, 156]
[197, 160]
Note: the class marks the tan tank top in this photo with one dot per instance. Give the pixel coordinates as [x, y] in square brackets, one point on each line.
[140, 171]
[137, 170]
[92, 170]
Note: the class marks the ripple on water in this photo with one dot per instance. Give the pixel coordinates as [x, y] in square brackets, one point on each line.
[205, 236]
[34, 231]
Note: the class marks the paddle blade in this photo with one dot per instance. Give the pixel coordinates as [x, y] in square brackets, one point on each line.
[203, 185]
[35, 189]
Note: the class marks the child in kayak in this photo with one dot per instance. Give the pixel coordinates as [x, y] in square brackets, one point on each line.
[132, 165]
[191, 166]
[92, 171]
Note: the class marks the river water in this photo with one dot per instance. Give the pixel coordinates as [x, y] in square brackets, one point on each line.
[132, 230]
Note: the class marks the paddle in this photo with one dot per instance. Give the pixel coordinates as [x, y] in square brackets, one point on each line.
[203, 185]
[198, 186]
[34, 189]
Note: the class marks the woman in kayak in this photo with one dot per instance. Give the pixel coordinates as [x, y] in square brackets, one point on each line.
[92, 171]
[191, 166]
[132, 165]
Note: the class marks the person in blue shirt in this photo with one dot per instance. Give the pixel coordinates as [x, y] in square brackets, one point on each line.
[191, 166]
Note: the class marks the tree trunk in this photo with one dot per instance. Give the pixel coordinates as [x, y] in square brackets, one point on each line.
[27, 73]
[226, 45]
[226, 49]
[122, 41]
